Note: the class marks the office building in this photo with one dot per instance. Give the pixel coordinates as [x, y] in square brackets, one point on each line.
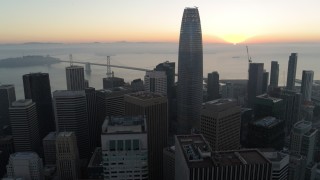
[75, 78]
[213, 89]
[303, 140]
[70, 108]
[125, 147]
[49, 149]
[297, 167]
[292, 68]
[7, 96]
[220, 124]
[280, 164]
[169, 163]
[25, 165]
[155, 81]
[292, 108]
[169, 69]
[37, 87]
[267, 132]
[306, 85]
[274, 76]
[194, 160]
[137, 85]
[255, 82]
[227, 90]
[67, 156]
[266, 105]
[265, 81]
[247, 116]
[154, 107]
[4, 158]
[190, 70]
[112, 82]
[95, 166]
[24, 124]
[93, 121]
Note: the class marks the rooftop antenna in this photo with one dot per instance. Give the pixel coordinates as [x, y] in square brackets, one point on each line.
[70, 59]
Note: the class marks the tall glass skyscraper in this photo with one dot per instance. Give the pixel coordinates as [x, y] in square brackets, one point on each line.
[292, 67]
[190, 71]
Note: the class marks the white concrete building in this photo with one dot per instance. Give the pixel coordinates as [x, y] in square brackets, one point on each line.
[156, 81]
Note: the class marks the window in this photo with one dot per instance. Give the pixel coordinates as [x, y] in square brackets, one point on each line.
[112, 146]
[135, 144]
[128, 145]
[120, 145]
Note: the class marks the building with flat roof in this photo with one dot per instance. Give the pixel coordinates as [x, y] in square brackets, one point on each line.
[112, 82]
[156, 81]
[195, 160]
[255, 82]
[70, 108]
[75, 78]
[25, 165]
[274, 76]
[155, 108]
[280, 164]
[267, 132]
[7, 96]
[220, 124]
[125, 147]
[24, 125]
[49, 149]
[265, 105]
[292, 68]
[303, 139]
[213, 88]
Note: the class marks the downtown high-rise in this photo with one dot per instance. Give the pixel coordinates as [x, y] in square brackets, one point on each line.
[292, 68]
[190, 71]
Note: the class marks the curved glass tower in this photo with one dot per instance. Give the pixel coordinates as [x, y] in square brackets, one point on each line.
[190, 75]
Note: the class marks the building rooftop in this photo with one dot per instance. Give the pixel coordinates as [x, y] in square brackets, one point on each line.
[267, 122]
[6, 86]
[74, 67]
[66, 93]
[267, 97]
[22, 103]
[276, 156]
[124, 125]
[25, 155]
[65, 134]
[219, 104]
[302, 127]
[143, 95]
[113, 90]
[51, 136]
[198, 153]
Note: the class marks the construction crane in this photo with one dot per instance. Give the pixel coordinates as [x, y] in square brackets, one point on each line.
[249, 57]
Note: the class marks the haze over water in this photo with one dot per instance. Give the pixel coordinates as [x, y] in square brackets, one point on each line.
[229, 60]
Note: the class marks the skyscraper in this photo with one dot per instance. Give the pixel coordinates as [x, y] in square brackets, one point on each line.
[37, 87]
[125, 147]
[70, 108]
[255, 82]
[155, 81]
[306, 85]
[292, 67]
[220, 124]
[190, 70]
[154, 107]
[25, 165]
[24, 124]
[274, 77]
[7, 96]
[75, 78]
[93, 121]
[67, 156]
[265, 81]
[49, 149]
[169, 68]
[213, 86]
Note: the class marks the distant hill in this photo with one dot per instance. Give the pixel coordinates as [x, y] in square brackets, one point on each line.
[28, 61]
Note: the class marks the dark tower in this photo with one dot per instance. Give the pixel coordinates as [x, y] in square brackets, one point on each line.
[255, 82]
[213, 86]
[292, 67]
[37, 87]
[190, 71]
[274, 77]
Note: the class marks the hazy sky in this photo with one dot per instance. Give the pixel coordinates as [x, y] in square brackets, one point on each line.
[157, 20]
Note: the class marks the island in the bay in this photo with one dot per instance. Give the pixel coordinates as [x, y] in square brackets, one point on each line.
[28, 61]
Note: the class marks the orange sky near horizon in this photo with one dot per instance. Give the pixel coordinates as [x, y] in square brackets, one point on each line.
[234, 21]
